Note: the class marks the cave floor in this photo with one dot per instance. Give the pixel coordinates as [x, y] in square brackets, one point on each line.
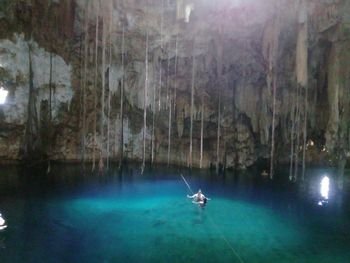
[67, 216]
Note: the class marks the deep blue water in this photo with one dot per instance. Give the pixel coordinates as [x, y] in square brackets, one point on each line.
[67, 216]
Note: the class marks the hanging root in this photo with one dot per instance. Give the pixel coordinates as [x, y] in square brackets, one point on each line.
[100, 165]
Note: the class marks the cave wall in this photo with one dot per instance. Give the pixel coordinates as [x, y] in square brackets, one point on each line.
[287, 59]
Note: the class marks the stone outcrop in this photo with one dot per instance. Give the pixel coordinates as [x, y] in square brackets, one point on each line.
[239, 48]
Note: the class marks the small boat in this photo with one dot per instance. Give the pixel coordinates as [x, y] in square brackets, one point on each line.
[2, 223]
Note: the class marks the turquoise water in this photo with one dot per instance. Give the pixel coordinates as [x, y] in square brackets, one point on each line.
[67, 216]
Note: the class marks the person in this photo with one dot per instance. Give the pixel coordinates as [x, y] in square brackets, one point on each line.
[264, 173]
[199, 197]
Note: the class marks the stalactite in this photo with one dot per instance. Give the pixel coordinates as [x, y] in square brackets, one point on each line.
[169, 129]
[116, 138]
[297, 144]
[160, 85]
[218, 132]
[103, 77]
[160, 64]
[50, 115]
[175, 80]
[145, 107]
[234, 123]
[292, 135]
[219, 75]
[225, 155]
[109, 83]
[302, 77]
[153, 122]
[168, 77]
[31, 138]
[270, 49]
[192, 104]
[202, 126]
[304, 132]
[81, 98]
[273, 126]
[170, 106]
[121, 144]
[95, 88]
[84, 83]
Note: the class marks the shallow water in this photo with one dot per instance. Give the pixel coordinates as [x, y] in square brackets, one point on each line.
[67, 216]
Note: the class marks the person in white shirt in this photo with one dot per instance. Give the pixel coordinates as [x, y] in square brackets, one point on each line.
[199, 197]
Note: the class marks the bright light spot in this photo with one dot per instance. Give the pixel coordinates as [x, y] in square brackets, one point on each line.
[188, 11]
[325, 187]
[310, 143]
[3, 95]
[2, 223]
[324, 149]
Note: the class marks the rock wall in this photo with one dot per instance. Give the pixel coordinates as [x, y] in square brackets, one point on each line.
[246, 51]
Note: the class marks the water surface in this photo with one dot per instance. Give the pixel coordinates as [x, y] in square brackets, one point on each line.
[67, 216]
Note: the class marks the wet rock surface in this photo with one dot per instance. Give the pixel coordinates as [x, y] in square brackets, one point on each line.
[241, 50]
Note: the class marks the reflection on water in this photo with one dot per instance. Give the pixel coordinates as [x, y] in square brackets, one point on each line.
[325, 187]
[324, 190]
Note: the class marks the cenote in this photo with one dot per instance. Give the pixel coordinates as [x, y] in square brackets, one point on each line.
[123, 216]
[174, 131]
